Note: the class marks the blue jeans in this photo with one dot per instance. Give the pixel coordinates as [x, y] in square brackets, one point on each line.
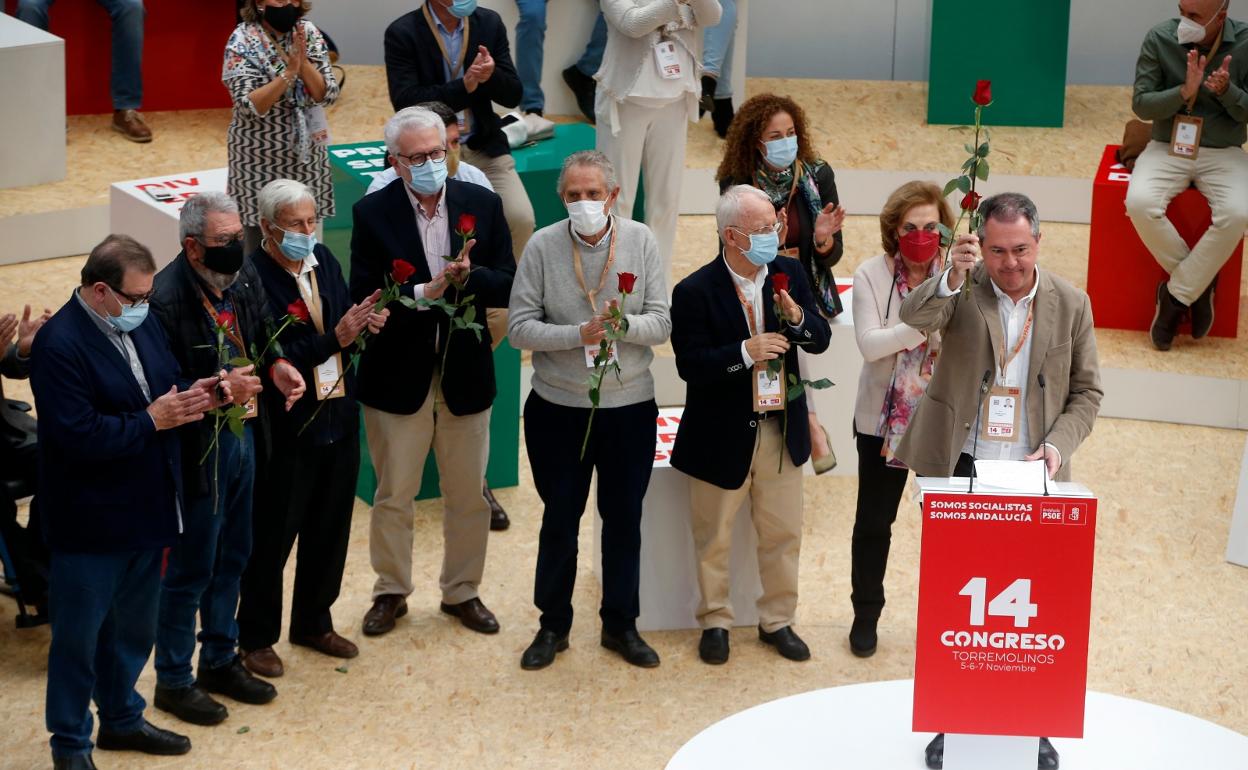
[103, 608]
[530, 47]
[127, 16]
[717, 46]
[204, 570]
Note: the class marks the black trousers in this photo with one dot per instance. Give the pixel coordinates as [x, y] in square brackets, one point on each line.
[621, 448]
[305, 492]
[879, 493]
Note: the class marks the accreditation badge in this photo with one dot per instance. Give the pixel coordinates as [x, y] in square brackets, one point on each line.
[1001, 414]
[329, 380]
[666, 60]
[253, 408]
[768, 388]
[318, 125]
[591, 353]
[1185, 140]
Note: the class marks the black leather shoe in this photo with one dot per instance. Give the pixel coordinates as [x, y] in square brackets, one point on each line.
[73, 762]
[862, 637]
[1202, 312]
[786, 642]
[233, 680]
[583, 87]
[707, 102]
[631, 648]
[934, 754]
[713, 648]
[498, 517]
[541, 653]
[148, 739]
[1166, 317]
[721, 116]
[190, 704]
[1048, 756]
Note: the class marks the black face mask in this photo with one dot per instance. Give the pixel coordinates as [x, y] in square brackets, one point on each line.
[226, 260]
[282, 17]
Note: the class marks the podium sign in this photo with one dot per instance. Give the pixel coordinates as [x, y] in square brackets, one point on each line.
[1005, 591]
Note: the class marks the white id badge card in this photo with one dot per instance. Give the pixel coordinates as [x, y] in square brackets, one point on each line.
[1000, 418]
[1185, 141]
[591, 352]
[252, 408]
[768, 389]
[318, 125]
[329, 381]
[666, 60]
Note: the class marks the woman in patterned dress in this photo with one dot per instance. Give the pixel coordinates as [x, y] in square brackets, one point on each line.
[278, 73]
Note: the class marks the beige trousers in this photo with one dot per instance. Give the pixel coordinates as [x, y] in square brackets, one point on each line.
[398, 445]
[776, 508]
[1221, 175]
[518, 210]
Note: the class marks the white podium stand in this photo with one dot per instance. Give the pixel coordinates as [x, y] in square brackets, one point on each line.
[669, 592]
[147, 209]
[33, 94]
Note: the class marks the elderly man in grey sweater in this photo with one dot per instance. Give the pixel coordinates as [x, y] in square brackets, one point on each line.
[591, 279]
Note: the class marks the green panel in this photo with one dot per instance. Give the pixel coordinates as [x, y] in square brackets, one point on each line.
[1020, 45]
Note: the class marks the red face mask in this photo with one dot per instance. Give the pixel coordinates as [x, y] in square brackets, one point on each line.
[920, 246]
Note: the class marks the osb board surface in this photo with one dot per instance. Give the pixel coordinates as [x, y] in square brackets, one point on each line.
[1167, 628]
[855, 123]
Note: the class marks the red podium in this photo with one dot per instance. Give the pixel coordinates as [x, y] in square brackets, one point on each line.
[1005, 594]
[183, 47]
[1122, 274]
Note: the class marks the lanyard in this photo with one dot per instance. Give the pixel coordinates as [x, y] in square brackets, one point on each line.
[233, 331]
[456, 67]
[1022, 339]
[592, 296]
[749, 309]
[313, 301]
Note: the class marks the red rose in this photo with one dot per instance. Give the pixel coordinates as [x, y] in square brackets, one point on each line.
[401, 271]
[627, 280]
[467, 223]
[299, 310]
[970, 201]
[983, 93]
[780, 282]
[225, 320]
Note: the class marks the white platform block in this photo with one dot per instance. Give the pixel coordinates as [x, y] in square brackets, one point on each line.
[669, 592]
[32, 91]
[148, 209]
[990, 752]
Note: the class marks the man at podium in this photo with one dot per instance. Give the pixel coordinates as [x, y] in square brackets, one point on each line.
[1018, 376]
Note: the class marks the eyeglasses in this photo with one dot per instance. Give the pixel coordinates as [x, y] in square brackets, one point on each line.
[418, 160]
[762, 230]
[220, 240]
[142, 299]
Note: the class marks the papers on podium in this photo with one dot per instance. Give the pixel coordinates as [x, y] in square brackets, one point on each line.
[1024, 476]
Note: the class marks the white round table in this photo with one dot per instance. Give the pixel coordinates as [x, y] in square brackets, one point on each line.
[867, 727]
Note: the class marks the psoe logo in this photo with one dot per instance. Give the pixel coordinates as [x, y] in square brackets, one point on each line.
[1052, 513]
[1076, 514]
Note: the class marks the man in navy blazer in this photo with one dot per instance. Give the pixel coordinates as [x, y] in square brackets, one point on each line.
[736, 439]
[457, 54]
[417, 392]
[108, 392]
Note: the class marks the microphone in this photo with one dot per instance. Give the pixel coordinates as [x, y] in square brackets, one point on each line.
[1044, 424]
[983, 393]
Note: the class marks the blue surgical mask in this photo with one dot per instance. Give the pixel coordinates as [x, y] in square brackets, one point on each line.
[781, 153]
[296, 246]
[132, 316]
[463, 8]
[763, 248]
[430, 177]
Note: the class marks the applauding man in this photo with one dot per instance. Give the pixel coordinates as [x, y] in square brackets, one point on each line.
[736, 330]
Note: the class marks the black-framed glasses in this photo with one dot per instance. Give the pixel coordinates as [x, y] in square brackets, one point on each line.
[220, 240]
[141, 299]
[417, 160]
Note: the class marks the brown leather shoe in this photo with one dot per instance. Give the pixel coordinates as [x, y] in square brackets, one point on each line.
[130, 124]
[474, 615]
[498, 517]
[263, 662]
[328, 643]
[380, 618]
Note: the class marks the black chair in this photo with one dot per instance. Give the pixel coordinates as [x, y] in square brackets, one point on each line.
[16, 484]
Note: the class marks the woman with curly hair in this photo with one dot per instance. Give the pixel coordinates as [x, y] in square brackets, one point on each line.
[769, 147]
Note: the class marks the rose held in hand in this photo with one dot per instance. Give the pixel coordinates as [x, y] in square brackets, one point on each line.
[467, 225]
[780, 282]
[970, 201]
[627, 281]
[401, 271]
[299, 310]
[983, 93]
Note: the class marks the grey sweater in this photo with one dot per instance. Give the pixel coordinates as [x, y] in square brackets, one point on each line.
[548, 307]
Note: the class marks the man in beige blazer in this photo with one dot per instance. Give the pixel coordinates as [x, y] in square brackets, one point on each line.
[1020, 336]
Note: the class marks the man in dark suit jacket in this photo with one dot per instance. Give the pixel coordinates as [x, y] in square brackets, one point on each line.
[734, 440]
[422, 383]
[435, 55]
[107, 391]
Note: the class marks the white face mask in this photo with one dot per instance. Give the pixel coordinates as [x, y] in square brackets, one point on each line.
[588, 217]
[1191, 33]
